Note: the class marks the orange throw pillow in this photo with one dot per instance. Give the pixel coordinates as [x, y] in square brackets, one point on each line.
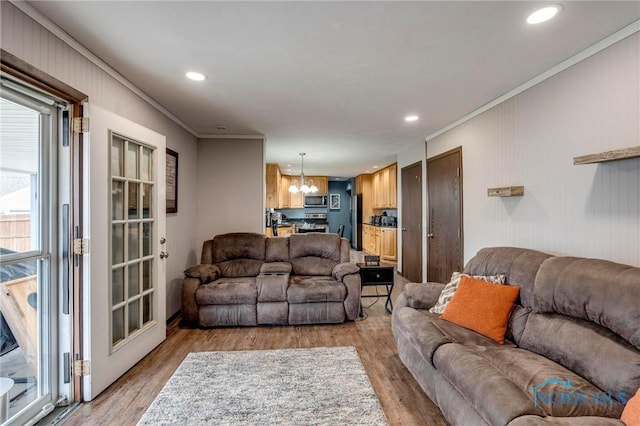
[631, 412]
[482, 307]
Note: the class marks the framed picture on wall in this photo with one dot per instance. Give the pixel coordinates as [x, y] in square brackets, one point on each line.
[172, 181]
[334, 201]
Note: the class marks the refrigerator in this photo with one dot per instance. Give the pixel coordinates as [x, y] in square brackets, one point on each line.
[356, 221]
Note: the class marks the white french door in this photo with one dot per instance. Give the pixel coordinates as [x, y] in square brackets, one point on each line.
[125, 291]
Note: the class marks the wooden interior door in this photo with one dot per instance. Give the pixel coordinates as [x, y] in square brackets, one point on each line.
[444, 186]
[412, 222]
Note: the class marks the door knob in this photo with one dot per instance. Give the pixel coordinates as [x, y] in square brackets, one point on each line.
[429, 235]
[163, 240]
[404, 229]
[164, 254]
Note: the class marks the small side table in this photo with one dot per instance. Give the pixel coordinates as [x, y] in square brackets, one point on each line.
[377, 275]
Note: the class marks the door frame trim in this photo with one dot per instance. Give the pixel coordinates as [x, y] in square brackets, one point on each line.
[23, 71]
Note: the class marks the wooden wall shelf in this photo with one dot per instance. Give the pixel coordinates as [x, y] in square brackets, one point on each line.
[618, 154]
[507, 191]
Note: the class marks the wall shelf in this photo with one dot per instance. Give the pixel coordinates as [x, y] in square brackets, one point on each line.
[618, 154]
[507, 191]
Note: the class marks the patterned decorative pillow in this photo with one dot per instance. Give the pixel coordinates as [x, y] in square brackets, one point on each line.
[450, 289]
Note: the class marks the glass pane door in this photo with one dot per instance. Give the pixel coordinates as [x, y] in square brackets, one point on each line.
[27, 247]
[132, 236]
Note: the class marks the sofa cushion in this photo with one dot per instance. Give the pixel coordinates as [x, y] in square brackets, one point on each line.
[420, 331]
[277, 249]
[275, 268]
[305, 289]
[450, 289]
[204, 272]
[314, 253]
[427, 332]
[592, 351]
[228, 291]
[240, 268]
[422, 295]
[482, 307]
[503, 383]
[326, 246]
[518, 264]
[313, 266]
[575, 287]
[239, 245]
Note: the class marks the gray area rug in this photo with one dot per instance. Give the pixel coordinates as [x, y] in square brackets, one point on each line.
[315, 386]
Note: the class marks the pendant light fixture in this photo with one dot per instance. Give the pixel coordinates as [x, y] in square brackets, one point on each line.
[304, 188]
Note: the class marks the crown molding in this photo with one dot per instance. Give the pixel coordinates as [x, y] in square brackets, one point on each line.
[219, 136]
[578, 57]
[41, 19]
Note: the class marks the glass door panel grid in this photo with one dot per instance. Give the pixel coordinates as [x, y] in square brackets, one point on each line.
[132, 235]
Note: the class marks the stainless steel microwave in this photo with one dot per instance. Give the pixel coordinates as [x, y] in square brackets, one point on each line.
[315, 201]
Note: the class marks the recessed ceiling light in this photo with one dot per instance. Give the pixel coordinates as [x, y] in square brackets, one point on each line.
[544, 14]
[221, 128]
[195, 76]
[411, 118]
[375, 167]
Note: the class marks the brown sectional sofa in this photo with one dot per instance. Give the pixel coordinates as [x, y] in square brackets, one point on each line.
[249, 279]
[572, 355]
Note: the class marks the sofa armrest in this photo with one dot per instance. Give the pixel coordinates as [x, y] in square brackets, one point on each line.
[188, 302]
[422, 295]
[352, 301]
[275, 268]
[343, 269]
[205, 272]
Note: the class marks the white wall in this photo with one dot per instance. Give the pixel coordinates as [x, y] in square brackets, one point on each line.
[23, 37]
[230, 186]
[531, 139]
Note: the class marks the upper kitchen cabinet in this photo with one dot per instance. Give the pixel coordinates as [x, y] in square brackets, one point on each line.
[273, 183]
[284, 196]
[278, 195]
[296, 200]
[384, 186]
[321, 182]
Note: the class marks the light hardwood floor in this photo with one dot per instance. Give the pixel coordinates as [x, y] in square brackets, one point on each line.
[404, 403]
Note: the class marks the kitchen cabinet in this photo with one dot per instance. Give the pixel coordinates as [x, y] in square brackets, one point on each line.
[393, 186]
[277, 188]
[284, 199]
[380, 241]
[376, 189]
[384, 187]
[376, 240]
[389, 243]
[321, 182]
[296, 201]
[283, 231]
[371, 239]
[272, 180]
[366, 238]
